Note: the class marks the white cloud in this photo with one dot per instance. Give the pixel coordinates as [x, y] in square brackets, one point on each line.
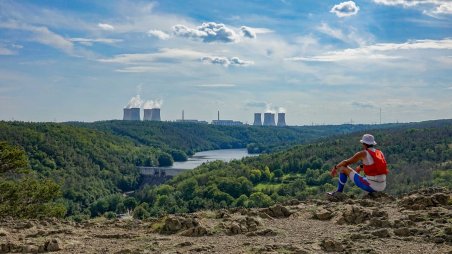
[42, 35]
[256, 104]
[6, 51]
[363, 104]
[106, 27]
[352, 37]
[139, 69]
[159, 34]
[439, 6]
[89, 42]
[207, 32]
[160, 56]
[217, 85]
[235, 61]
[247, 32]
[377, 51]
[345, 9]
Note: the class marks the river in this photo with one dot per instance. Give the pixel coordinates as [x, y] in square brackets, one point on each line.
[212, 155]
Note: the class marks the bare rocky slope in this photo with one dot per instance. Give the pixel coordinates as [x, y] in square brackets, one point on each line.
[418, 222]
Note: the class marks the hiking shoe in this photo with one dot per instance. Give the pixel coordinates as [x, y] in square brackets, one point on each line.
[336, 196]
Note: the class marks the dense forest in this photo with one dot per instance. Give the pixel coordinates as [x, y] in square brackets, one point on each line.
[417, 157]
[193, 137]
[88, 166]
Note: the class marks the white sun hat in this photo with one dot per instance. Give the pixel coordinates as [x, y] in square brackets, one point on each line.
[368, 139]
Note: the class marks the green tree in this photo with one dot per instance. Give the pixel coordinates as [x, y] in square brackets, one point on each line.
[259, 199]
[140, 212]
[165, 160]
[12, 158]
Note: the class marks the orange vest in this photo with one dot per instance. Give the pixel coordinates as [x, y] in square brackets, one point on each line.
[379, 167]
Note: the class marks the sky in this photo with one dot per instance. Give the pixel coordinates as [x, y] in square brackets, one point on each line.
[320, 62]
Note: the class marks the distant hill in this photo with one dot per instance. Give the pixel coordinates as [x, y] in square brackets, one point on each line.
[192, 137]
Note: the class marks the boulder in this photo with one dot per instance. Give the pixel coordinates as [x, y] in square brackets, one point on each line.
[419, 201]
[330, 245]
[353, 214]
[379, 223]
[174, 224]
[323, 214]
[195, 231]
[402, 232]
[10, 247]
[440, 199]
[337, 197]
[379, 196]
[30, 249]
[234, 229]
[52, 245]
[242, 225]
[277, 211]
[448, 231]
[381, 233]
[380, 213]
[3, 232]
[184, 244]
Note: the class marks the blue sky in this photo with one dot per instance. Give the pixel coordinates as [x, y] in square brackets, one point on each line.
[322, 62]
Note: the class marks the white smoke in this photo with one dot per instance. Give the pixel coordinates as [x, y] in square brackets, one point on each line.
[135, 102]
[153, 104]
[269, 108]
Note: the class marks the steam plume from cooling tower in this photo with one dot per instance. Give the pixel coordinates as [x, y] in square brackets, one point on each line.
[153, 104]
[135, 102]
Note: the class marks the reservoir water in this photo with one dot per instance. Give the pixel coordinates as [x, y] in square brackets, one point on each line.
[212, 155]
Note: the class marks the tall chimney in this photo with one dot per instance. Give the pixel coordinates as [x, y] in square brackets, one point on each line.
[155, 114]
[269, 119]
[281, 119]
[147, 114]
[135, 114]
[257, 119]
[183, 115]
[218, 115]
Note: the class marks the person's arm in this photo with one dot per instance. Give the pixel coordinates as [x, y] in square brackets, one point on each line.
[355, 158]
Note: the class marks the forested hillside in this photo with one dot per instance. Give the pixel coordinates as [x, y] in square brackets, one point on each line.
[191, 137]
[95, 163]
[416, 156]
[88, 164]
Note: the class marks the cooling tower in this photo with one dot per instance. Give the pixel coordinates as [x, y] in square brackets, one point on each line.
[155, 114]
[257, 119]
[282, 119]
[127, 114]
[135, 114]
[269, 119]
[147, 114]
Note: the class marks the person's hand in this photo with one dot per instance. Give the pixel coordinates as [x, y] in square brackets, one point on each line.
[358, 169]
[333, 171]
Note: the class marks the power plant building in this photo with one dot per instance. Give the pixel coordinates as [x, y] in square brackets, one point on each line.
[132, 114]
[281, 119]
[227, 122]
[152, 114]
[269, 119]
[257, 119]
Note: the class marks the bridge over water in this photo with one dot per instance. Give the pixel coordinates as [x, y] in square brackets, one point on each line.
[160, 171]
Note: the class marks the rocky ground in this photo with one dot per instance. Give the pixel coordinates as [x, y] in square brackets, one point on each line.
[419, 222]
